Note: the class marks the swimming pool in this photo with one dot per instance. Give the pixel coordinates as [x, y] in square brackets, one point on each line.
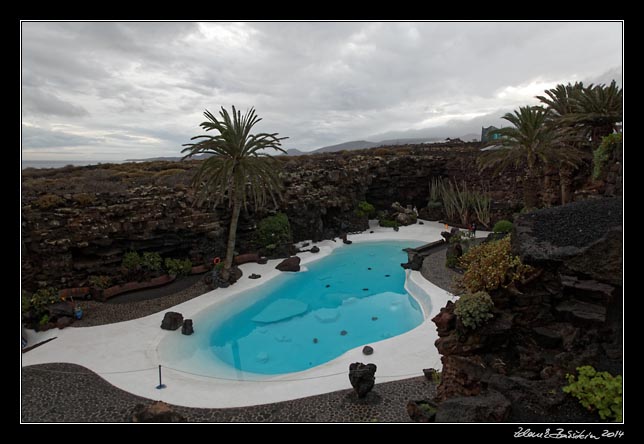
[297, 321]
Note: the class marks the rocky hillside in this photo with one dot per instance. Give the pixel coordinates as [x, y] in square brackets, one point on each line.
[569, 314]
[79, 221]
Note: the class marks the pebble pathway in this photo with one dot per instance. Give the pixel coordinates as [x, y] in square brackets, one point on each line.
[61, 392]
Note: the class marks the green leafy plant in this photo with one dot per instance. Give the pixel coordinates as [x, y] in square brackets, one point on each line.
[428, 409]
[451, 261]
[459, 202]
[597, 391]
[37, 302]
[274, 230]
[131, 260]
[178, 267]
[491, 265]
[102, 282]
[44, 320]
[474, 309]
[388, 223]
[482, 205]
[151, 261]
[435, 189]
[48, 201]
[502, 226]
[603, 153]
[365, 209]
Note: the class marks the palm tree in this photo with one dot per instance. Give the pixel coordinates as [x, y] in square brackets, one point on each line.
[599, 108]
[531, 144]
[239, 169]
[594, 109]
[562, 102]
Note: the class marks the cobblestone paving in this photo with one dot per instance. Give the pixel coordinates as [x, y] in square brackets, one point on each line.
[100, 313]
[435, 271]
[71, 393]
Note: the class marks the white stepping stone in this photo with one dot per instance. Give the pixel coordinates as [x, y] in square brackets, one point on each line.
[327, 315]
[280, 310]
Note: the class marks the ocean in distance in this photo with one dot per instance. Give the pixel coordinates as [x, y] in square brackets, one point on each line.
[63, 163]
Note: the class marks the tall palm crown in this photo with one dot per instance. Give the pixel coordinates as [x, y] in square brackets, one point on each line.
[594, 109]
[599, 108]
[561, 100]
[239, 169]
[531, 143]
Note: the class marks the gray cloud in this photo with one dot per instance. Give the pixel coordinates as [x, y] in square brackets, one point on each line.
[142, 87]
[34, 137]
[37, 101]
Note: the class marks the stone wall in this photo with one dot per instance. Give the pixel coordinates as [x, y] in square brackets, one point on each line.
[79, 221]
[568, 314]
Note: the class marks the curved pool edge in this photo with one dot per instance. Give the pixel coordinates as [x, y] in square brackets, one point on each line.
[132, 345]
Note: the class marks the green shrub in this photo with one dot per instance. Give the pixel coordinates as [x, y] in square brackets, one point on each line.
[131, 260]
[100, 281]
[37, 302]
[178, 267]
[151, 261]
[491, 265]
[428, 409]
[169, 172]
[43, 297]
[48, 201]
[84, 199]
[597, 391]
[502, 226]
[44, 319]
[366, 209]
[274, 230]
[603, 153]
[451, 261]
[388, 223]
[473, 309]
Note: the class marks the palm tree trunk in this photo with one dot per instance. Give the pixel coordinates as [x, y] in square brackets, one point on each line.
[565, 180]
[232, 236]
[530, 197]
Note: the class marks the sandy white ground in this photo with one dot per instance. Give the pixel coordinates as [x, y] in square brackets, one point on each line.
[125, 353]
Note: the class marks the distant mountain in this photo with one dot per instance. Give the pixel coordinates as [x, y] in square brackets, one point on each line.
[607, 77]
[348, 146]
[168, 159]
[294, 152]
[362, 144]
[410, 141]
[470, 137]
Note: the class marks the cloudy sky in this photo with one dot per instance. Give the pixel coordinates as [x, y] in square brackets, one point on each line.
[117, 90]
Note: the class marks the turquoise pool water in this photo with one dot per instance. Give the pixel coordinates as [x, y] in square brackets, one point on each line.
[297, 321]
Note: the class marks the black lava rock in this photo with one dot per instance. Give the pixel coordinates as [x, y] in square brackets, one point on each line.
[367, 350]
[186, 328]
[362, 377]
[172, 320]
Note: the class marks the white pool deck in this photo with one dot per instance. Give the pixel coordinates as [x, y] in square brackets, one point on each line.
[125, 354]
